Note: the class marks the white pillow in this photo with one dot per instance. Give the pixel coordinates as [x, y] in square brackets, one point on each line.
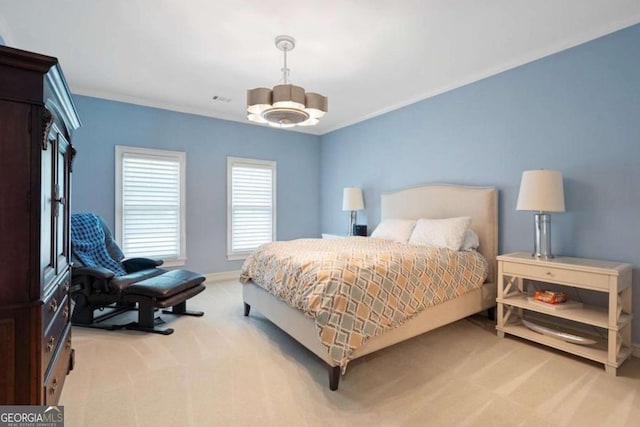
[471, 240]
[397, 230]
[440, 233]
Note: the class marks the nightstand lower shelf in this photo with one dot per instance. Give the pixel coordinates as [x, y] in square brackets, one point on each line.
[597, 353]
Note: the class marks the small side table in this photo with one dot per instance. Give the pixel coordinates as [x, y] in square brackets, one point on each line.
[517, 270]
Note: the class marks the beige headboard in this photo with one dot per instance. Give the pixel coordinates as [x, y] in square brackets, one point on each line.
[446, 201]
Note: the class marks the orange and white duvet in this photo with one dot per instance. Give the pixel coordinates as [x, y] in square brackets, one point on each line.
[356, 288]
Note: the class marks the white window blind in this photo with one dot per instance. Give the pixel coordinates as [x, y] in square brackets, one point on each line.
[150, 203]
[251, 205]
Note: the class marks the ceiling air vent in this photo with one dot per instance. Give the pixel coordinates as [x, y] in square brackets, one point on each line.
[221, 98]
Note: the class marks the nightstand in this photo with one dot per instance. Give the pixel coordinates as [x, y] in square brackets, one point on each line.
[519, 273]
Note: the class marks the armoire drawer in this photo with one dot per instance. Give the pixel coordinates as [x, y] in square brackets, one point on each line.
[64, 286]
[54, 302]
[52, 336]
[57, 373]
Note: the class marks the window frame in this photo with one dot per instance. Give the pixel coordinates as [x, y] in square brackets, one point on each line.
[181, 157]
[269, 164]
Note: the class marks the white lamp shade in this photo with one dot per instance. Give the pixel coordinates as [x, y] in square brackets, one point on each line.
[352, 199]
[541, 190]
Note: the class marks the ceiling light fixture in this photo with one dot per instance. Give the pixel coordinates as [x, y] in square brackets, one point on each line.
[286, 105]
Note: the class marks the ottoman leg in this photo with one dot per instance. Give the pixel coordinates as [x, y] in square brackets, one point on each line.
[146, 315]
[146, 319]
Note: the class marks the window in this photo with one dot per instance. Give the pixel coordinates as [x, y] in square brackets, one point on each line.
[251, 205]
[150, 203]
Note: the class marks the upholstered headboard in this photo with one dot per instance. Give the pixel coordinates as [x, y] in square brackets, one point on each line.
[446, 201]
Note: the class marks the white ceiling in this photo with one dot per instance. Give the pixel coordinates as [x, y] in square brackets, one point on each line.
[367, 56]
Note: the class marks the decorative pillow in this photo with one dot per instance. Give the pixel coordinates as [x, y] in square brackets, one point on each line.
[397, 230]
[471, 240]
[441, 233]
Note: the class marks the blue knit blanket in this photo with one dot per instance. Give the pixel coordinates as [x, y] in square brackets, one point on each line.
[89, 245]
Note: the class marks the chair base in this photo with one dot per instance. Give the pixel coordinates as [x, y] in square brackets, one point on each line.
[99, 326]
[181, 310]
[137, 326]
[166, 290]
[144, 326]
[185, 313]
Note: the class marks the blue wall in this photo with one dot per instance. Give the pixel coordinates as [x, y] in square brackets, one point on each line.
[207, 143]
[577, 111]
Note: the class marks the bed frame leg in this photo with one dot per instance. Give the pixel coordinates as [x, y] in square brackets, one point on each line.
[491, 313]
[334, 377]
[247, 309]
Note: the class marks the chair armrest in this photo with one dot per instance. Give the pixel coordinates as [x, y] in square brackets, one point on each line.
[95, 272]
[132, 265]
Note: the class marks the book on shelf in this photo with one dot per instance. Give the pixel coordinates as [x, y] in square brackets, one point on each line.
[550, 297]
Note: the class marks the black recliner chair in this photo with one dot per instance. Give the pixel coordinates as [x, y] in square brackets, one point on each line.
[101, 279]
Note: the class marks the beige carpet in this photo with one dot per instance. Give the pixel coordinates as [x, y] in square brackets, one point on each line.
[225, 369]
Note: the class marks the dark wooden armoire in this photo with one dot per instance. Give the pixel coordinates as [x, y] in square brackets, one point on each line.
[37, 118]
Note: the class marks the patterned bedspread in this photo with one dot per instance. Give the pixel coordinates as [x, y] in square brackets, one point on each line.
[356, 288]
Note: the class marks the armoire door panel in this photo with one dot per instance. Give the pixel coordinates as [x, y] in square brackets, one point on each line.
[61, 201]
[14, 201]
[47, 223]
[7, 354]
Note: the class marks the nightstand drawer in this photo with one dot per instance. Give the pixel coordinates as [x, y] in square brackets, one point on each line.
[558, 275]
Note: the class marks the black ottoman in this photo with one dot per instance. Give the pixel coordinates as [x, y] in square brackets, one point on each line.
[170, 289]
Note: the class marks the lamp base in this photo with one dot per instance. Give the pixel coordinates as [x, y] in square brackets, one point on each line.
[352, 221]
[542, 236]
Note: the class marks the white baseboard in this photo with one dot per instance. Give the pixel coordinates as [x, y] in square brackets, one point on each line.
[635, 350]
[221, 276]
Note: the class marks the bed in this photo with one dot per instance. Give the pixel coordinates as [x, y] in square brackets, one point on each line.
[430, 201]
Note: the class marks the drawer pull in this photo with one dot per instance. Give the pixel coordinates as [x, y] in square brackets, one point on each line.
[68, 343]
[51, 342]
[65, 287]
[65, 312]
[54, 385]
[54, 305]
[549, 273]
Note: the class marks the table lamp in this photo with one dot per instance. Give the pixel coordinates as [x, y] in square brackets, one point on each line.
[352, 201]
[541, 191]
